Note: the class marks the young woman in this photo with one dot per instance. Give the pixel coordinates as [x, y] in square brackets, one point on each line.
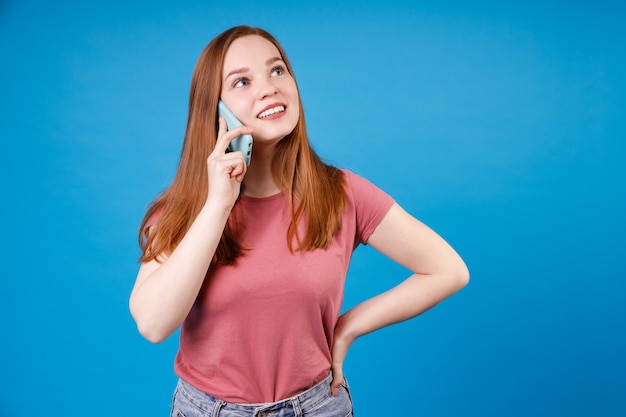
[251, 260]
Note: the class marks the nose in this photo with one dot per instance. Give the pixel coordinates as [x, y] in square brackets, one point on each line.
[267, 89]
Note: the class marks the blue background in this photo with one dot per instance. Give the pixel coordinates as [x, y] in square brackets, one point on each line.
[500, 126]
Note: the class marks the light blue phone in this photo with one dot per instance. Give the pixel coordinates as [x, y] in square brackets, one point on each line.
[242, 143]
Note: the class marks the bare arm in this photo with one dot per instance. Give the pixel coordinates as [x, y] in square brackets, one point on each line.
[165, 291]
[438, 272]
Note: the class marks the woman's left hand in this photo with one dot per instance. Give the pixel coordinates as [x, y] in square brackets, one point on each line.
[341, 344]
[438, 273]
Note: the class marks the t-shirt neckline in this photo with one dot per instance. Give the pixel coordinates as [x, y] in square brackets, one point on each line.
[260, 200]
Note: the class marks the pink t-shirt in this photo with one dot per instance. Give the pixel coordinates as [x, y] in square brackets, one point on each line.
[261, 330]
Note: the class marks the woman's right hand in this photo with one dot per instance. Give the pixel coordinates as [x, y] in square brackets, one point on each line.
[226, 170]
[165, 290]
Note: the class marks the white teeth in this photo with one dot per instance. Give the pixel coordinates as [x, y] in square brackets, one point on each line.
[271, 111]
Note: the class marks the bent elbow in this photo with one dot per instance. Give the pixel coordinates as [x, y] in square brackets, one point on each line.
[150, 329]
[462, 276]
[152, 335]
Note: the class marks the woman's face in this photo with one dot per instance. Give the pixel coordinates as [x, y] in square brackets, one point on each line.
[258, 89]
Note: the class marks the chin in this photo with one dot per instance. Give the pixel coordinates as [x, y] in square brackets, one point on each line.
[271, 135]
[267, 139]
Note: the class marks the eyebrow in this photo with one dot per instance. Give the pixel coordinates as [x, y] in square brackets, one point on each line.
[245, 69]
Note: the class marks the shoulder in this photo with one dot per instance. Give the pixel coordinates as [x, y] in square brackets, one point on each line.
[358, 185]
[366, 198]
[367, 203]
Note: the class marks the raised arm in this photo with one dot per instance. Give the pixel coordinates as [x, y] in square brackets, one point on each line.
[438, 272]
[165, 290]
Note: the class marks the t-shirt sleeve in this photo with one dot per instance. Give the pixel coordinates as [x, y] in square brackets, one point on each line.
[371, 204]
[154, 219]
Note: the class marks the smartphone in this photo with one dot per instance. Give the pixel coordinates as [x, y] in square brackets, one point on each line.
[242, 143]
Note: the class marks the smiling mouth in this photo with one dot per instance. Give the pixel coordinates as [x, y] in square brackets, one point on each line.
[270, 112]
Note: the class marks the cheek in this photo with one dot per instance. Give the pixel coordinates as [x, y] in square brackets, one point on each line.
[243, 112]
[296, 114]
[295, 102]
[234, 104]
[295, 96]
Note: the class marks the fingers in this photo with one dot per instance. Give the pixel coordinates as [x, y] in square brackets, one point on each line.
[341, 343]
[238, 168]
[337, 379]
[231, 164]
[226, 173]
[224, 136]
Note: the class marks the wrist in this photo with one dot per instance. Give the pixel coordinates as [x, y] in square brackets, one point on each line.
[217, 206]
[346, 329]
[214, 211]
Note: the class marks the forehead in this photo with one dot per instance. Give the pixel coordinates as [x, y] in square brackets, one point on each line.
[249, 50]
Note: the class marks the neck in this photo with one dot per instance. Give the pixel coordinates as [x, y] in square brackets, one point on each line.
[259, 181]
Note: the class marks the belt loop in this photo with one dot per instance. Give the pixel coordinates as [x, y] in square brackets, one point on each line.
[297, 410]
[217, 408]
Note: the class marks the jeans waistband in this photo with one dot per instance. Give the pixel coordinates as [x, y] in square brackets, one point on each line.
[300, 403]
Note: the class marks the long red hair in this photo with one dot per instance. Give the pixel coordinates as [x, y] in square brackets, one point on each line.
[315, 190]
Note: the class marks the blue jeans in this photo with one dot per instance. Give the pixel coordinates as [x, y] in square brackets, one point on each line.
[315, 402]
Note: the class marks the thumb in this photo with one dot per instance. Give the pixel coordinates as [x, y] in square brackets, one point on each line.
[337, 379]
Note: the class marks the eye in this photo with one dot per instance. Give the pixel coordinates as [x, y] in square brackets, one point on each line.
[241, 82]
[278, 71]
